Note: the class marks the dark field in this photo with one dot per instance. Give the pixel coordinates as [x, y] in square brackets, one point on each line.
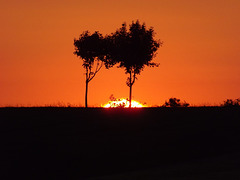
[146, 143]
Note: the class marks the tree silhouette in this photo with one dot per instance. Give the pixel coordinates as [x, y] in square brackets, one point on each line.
[91, 48]
[133, 49]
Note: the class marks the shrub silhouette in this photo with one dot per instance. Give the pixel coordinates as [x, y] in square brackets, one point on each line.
[231, 103]
[174, 102]
[116, 102]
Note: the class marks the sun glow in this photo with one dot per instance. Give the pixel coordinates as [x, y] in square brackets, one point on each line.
[123, 103]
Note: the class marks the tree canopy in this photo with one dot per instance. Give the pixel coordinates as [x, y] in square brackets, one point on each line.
[134, 48]
[90, 47]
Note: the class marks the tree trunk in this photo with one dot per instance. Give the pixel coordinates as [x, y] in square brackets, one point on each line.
[130, 96]
[86, 92]
[130, 93]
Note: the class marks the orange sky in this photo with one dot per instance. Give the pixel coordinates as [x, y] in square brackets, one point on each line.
[200, 58]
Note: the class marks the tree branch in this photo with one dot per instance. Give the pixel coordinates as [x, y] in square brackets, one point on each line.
[133, 78]
[87, 74]
[96, 71]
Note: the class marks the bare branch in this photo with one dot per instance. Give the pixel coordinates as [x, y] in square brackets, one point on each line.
[96, 71]
[134, 78]
[87, 74]
[98, 68]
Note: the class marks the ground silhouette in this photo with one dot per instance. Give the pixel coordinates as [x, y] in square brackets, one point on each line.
[99, 143]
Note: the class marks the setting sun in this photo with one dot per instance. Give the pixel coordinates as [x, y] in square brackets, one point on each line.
[123, 102]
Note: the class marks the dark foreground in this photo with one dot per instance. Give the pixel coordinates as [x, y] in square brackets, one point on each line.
[148, 143]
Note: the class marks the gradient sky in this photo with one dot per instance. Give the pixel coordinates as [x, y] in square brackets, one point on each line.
[199, 60]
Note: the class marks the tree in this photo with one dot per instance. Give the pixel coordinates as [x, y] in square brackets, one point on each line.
[91, 48]
[133, 49]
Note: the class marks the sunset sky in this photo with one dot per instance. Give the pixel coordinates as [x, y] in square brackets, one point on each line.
[199, 60]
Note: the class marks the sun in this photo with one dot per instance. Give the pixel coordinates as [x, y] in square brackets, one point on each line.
[123, 103]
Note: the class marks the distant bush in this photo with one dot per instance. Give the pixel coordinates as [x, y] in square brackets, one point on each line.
[174, 102]
[231, 103]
